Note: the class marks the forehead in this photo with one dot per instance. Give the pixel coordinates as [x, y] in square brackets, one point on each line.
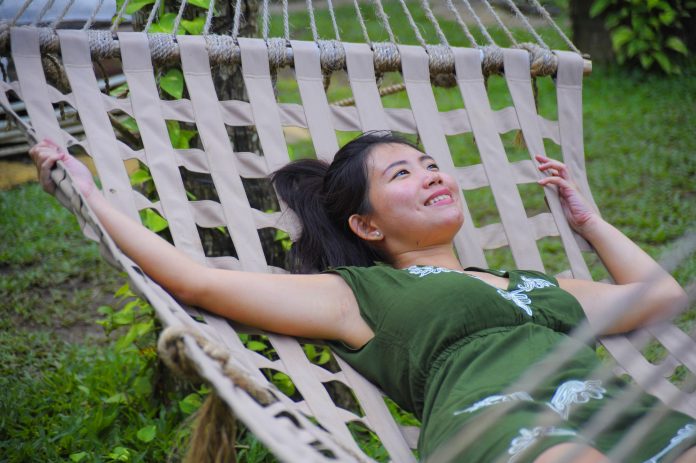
[381, 156]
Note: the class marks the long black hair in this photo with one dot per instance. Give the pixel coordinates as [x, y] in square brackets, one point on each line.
[324, 196]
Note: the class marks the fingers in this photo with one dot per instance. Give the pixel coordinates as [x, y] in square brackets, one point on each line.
[45, 154]
[552, 167]
[555, 180]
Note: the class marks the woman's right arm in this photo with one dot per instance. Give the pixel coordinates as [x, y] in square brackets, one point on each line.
[314, 306]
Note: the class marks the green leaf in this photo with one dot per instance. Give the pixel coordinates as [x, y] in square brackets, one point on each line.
[621, 36]
[165, 24]
[195, 26]
[200, 3]
[118, 398]
[256, 346]
[676, 44]
[324, 357]
[153, 220]
[284, 383]
[173, 83]
[598, 7]
[120, 454]
[185, 137]
[105, 310]
[190, 403]
[130, 124]
[140, 176]
[124, 291]
[646, 61]
[663, 61]
[147, 433]
[123, 317]
[667, 17]
[137, 5]
[77, 456]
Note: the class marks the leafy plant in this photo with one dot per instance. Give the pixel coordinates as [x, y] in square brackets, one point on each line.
[647, 33]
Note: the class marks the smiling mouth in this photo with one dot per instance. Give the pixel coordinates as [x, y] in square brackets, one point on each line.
[437, 199]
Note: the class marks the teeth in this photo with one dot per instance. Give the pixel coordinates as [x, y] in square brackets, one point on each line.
[437, 199]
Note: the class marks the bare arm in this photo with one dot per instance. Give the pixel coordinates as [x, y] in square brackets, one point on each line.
[315, 306]
[645, 289]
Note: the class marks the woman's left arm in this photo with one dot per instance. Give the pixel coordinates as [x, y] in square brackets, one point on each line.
[644, 292]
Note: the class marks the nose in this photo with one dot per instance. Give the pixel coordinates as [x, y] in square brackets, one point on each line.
[432, 177]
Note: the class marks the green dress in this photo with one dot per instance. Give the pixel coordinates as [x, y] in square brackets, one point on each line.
[447, 345]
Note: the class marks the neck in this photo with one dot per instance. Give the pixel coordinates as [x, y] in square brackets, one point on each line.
[437, 256]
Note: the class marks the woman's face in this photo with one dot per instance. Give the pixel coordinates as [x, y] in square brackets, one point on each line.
[414, 205]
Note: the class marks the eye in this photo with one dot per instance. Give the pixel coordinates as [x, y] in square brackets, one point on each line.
[433, 166]
[400, 173]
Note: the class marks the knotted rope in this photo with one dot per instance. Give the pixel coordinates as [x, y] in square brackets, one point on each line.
[173, 352]
[223, 49]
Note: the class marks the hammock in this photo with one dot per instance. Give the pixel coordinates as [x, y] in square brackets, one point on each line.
[208, 345]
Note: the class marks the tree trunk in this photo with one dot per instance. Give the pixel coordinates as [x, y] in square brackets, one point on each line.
[589, 34]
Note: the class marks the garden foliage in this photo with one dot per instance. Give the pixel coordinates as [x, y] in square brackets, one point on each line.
[648, 33]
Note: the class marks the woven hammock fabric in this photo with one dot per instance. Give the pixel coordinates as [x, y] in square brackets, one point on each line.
[296, 439]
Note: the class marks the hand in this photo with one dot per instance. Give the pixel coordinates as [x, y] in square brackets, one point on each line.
[576, 208]
[45, 155]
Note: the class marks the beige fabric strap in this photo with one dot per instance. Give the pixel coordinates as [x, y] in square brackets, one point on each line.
[161, 160]
[27, 60]
[361, 73]
[316, 107]
[520, 86]
[416, 72]
[310, 386]
[494, 159]
[257, 78]
[219, 154]
[89, 103]
[377, 416]
[569, 100]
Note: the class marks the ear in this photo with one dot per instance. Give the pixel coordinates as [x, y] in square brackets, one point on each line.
[364, 228]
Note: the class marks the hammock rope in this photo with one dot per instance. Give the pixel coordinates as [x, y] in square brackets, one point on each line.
[165, 49]
[478, 21]
[361, 21]
[500, 23]
[41, 14]
[333, 20]
[549, 20]
[208, 17]
[179, 16]
[91, 19]
[461, 23]
[526, 23]
[119, 17]
[153, 13]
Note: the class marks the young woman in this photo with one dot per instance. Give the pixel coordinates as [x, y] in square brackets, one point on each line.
[393, 299]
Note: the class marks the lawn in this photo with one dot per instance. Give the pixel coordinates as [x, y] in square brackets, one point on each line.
[70, 393]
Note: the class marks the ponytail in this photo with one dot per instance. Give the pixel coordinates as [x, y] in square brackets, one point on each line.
[324, 196]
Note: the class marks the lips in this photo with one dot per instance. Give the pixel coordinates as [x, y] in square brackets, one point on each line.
[438, 197]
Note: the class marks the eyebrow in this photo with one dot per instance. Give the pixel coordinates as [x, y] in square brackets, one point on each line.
[402, 162]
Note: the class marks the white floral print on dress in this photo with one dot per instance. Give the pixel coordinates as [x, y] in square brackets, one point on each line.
[575, 392]
[684, 433]
[425, 270]
[519, 296]
[496, 399]
[528, 437]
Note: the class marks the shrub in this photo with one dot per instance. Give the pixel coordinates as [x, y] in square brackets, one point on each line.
[647, 33]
